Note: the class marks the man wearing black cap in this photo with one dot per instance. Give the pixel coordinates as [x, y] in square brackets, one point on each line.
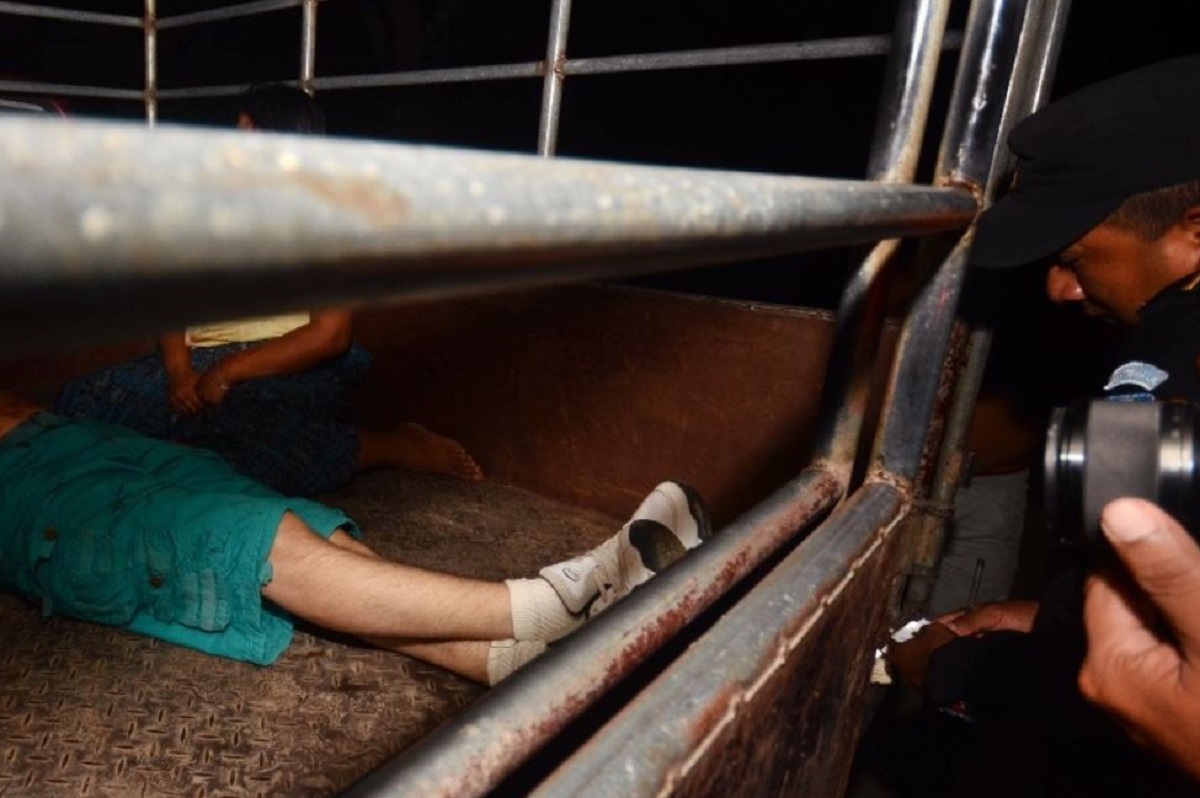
[1107, 193]
[1107, 190]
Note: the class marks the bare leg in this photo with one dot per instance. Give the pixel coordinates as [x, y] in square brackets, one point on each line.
[413, 447]
[465, 657]
[481, 630]
[343, 540]
[362, 594]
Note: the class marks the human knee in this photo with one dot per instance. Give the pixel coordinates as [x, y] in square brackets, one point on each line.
[343, 540]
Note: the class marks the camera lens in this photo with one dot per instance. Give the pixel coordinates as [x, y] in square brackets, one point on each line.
[1063, 467]
[1101, 450]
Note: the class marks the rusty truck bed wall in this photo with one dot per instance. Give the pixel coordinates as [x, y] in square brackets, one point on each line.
[742, 670]
[593, 393]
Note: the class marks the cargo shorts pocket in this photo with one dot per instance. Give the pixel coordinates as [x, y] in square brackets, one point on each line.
[190, 591]
[86, 577]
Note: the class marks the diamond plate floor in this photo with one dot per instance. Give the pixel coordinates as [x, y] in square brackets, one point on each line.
[91, 711]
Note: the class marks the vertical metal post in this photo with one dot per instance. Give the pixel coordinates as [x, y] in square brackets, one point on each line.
[1041, 40]
[907, 90]
[973, 121]
[552, 80]
[308, 45]
[900, 127]
[150, 26]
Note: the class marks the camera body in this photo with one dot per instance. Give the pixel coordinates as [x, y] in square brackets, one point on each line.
[1103, 449]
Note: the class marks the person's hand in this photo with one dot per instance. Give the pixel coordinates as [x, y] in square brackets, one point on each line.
[1014, 616]
[910, 659]
[1143, 655]
[212, 386]
[181, 392]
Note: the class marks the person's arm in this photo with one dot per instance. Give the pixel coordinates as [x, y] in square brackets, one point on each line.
[327, 334]
[912, 659]
[1143, 655]
[181, 377]
[995, 616]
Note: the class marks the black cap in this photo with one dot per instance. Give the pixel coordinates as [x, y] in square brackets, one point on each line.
[1080, 157]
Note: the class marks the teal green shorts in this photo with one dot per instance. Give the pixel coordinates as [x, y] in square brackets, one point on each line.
[103, 524]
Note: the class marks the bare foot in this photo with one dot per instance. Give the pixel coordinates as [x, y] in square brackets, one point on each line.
[414, 447]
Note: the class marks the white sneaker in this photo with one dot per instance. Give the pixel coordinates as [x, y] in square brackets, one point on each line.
[669, 522]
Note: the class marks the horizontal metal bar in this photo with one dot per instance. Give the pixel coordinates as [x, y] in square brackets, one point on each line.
[854, 47]
[62, 90]
[122, 229]
[606, 65]
[427, 77]
[707, 688]
[227, 12]
[722, 56]
[423, 77]
[471, 753]
[68, 15]
[229, 90]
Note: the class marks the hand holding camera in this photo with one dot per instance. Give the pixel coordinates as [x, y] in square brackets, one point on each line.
[1146, 670]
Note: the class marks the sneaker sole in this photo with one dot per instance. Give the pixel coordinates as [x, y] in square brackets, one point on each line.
[697, 511]
[656, 544]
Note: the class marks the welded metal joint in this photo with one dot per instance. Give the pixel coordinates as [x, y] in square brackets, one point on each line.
[962, 183]
[932, 508]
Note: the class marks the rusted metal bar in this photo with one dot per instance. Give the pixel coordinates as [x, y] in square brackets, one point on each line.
[900, 129]
[1041, 40]
[986, 66]
[699, 727]
[150, 28]
[228, 90]
[849, 47]
[308, 45]
[65, 90]
[227, 12]
[917, 44]
[472, 753]
[179, 225]
[1037, 58]
[68, 15]
[916, 392]
[668, 731]
[552, 83]
[429, 77]
[854, 47]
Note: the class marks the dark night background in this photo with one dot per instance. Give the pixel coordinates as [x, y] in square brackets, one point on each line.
[812, 118]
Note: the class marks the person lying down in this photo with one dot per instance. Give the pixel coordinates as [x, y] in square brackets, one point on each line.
[103, 524]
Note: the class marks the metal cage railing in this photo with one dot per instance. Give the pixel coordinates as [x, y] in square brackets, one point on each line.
[186, 224]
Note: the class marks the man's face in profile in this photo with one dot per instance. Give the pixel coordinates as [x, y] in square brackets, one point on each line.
[1112, 272]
